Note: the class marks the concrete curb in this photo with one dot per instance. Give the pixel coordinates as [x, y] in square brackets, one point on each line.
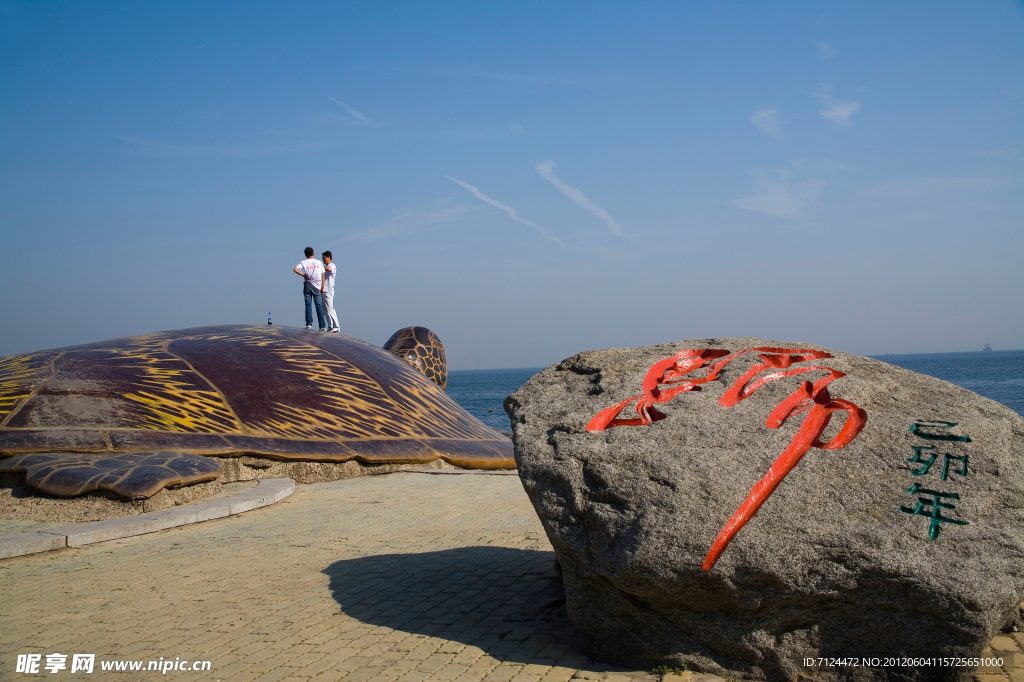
[266, 492]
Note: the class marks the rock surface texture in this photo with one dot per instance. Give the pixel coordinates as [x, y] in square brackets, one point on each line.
[738, 505]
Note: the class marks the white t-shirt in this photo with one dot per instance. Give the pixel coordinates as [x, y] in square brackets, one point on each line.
[329, 278]
[313, 270]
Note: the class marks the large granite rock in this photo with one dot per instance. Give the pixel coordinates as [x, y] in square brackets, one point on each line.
[897, 531]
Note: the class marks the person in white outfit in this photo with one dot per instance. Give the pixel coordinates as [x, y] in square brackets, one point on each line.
[312, 272]
[329, 271]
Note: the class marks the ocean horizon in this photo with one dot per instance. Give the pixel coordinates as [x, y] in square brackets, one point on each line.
[998, 375]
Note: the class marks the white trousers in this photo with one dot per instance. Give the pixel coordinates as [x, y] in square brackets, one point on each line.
[332, 317]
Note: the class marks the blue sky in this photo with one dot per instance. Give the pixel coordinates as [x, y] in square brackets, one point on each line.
[529, 180]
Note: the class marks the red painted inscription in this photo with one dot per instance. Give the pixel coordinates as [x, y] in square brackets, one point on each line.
[669, 377]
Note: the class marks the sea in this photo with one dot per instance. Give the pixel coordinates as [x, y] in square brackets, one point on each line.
[998, 375]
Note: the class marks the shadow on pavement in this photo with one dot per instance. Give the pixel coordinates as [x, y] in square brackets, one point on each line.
[508, 602]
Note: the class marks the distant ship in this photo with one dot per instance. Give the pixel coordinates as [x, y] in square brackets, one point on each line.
[988, 346]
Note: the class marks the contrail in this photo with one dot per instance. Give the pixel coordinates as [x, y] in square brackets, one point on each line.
[508, 209]
[576, 196]
[351, 111]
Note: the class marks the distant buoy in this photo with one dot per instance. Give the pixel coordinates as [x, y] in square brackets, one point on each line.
[268, 319]
[490, 410]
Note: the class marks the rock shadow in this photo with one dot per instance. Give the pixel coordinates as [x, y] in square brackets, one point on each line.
[508, 602]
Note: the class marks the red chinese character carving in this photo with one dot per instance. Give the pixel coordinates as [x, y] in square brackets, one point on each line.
[668, 378]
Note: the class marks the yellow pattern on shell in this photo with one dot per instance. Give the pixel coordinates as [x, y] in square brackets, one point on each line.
[149, 383]
[162, 400]
[19, 376]
[352, 404]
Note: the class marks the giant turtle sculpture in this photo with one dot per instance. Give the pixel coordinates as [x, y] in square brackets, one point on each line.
[137, 414]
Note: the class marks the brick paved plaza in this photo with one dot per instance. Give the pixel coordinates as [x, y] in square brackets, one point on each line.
[398, 577]
[404, 576]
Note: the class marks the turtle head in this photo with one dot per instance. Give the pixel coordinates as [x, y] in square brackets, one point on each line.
[421, 348]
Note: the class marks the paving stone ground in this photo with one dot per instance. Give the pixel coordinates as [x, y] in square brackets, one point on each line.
[400, 577]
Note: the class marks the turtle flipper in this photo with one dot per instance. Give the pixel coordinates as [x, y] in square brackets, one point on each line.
[133, 475]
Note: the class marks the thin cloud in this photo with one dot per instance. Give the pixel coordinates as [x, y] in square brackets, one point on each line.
[775, 194]
[767, 120]
[840, 113]
[411, 221]
[836, 110]
[507, 209]
[917, 186]
[825, 50]
[352, 111]
[545, 168]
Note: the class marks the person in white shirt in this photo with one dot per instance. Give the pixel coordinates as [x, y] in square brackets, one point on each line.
[330, 269]
[312, 272]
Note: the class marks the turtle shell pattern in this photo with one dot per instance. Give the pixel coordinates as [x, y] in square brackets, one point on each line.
[421, 348]
[136, 414]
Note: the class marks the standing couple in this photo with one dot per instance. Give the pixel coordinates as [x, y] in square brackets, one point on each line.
[318, 290]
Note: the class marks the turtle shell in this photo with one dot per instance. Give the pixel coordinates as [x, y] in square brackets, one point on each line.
[133, 415]
[421, 348]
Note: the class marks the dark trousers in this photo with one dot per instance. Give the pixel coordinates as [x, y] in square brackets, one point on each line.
[312, 296]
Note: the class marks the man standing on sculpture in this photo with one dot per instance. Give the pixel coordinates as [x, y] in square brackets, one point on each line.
[312, 272]
[330, 270]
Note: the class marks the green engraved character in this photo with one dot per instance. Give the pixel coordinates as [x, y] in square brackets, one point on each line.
[945, 465]
[925, 464]
[937, 505]
[919, 424]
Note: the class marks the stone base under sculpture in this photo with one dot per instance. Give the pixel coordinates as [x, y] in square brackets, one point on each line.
[21, 502]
